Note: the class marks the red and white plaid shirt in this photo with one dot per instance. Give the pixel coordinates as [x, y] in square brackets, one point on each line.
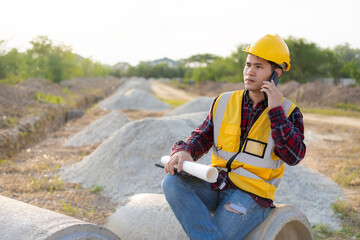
[288, 135]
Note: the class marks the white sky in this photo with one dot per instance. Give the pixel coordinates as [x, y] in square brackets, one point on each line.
[111, 31]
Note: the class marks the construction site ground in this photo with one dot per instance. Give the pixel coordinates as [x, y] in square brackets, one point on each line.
[32, 174]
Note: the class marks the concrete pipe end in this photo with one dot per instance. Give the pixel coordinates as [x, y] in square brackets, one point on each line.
[84, 232]
[284, 222]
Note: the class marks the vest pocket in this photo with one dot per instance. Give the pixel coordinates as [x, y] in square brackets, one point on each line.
[229, 137]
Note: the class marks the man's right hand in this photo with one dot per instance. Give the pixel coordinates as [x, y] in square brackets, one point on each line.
[178, 159]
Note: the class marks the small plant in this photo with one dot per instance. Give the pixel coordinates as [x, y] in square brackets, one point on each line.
[96, 188]
[68, 209]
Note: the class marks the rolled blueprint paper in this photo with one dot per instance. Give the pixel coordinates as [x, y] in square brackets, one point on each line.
[204, 172]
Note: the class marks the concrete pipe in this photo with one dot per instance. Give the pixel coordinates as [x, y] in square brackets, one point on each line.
[23, 221]
[284, 222]
[143, 216]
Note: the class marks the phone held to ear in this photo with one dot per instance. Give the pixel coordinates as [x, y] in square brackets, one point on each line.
[274, 76]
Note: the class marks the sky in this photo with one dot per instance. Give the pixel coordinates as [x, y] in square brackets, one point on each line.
[112, 31]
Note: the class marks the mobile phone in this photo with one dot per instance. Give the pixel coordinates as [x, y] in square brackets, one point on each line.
[274, 76]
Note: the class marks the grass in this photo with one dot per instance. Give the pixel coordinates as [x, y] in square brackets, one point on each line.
[347, 166]
[48, 98]
[348, 106]
[5, 162]
[350, 228]
[333, 111]
[322, 232]
[11, 80]
[10, 121]
[347, 176]
[46, 183]
[350, 223]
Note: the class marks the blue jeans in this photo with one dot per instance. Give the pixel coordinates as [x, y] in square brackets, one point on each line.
[205, 214]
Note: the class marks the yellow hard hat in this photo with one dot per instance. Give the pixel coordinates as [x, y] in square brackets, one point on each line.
[271, 48]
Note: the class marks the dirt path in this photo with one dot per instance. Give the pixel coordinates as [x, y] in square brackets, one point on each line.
[343, 121]
[164, 91]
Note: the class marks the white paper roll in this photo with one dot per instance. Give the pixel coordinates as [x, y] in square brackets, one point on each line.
[204, 172]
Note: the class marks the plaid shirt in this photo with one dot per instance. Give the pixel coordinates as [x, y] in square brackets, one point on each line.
[288, 135]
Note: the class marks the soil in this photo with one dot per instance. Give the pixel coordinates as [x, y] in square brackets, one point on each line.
[31, 174]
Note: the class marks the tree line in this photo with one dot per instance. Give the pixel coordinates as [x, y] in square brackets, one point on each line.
[58, 62]
[308, 62]
[46, 60]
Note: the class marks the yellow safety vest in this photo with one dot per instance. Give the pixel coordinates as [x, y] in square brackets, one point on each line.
[255, 168]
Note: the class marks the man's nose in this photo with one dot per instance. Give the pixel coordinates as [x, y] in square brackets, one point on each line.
[250, 71]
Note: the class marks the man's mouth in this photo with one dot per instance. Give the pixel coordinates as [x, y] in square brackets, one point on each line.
[249, 80]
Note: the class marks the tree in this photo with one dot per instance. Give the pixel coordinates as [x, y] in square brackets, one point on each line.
[306, 60]
[333, 66]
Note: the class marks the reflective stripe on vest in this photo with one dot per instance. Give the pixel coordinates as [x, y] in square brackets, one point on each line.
[256, 168]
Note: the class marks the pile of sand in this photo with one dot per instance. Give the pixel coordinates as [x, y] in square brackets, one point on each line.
[98, 130]
[310, 192]
[133, 98]
[124, 163]
[200, 104]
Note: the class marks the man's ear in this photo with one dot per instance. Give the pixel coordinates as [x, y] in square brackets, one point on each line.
[279, 72]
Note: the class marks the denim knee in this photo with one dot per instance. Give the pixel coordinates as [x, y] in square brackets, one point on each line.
[168, 184]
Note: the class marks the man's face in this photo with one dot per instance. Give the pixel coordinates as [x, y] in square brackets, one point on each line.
[256, 71]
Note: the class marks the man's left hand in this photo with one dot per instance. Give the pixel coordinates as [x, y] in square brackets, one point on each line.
[273, 93]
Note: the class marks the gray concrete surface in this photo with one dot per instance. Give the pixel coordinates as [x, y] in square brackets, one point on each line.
[23, 221]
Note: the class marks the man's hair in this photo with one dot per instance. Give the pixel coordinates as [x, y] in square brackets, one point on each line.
[275, 66]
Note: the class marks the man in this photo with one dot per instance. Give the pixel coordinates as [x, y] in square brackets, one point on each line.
[251, 135]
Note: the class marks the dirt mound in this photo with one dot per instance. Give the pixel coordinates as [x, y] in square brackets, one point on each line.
[200, 104]
[33, 85]
[98, 130]
[35, 107]
[319, 94]
[288, 88]
[13, 102]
